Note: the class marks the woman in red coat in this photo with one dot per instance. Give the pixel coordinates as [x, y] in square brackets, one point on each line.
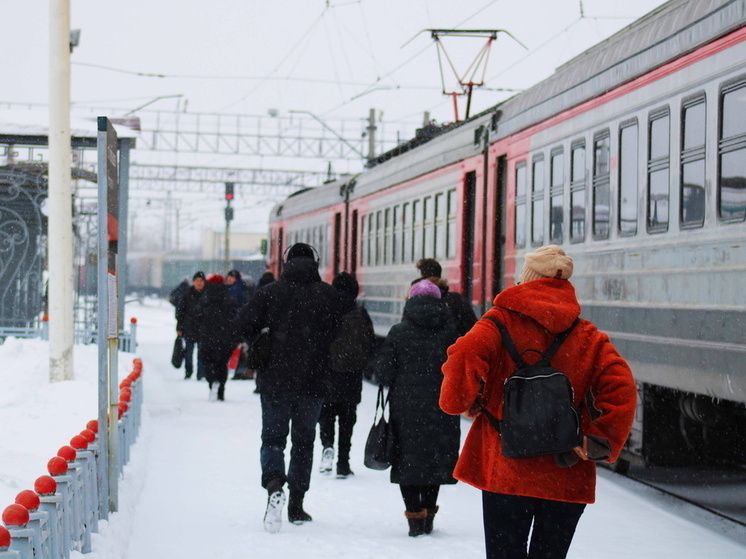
[549, 492]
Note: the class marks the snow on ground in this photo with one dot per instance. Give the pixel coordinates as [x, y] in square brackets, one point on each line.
[192, 487]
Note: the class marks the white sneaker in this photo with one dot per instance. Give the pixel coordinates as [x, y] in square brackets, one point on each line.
[327, 460]
[214, 391]
[273, 515]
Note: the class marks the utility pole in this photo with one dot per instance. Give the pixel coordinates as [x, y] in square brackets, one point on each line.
[371, 134]
[228, 219]
[60, 227]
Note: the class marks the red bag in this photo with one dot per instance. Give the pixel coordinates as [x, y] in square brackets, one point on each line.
[233, 361]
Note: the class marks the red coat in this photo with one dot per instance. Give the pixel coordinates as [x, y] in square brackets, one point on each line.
[534, 312]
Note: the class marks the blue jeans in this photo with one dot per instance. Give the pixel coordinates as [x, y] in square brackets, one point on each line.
[508, 519]
[189, 346]
[278, 412]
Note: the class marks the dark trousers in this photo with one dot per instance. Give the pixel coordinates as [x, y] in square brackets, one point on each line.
[418, 497]
[189, 346]
[282, 415]
[508, 519]
[347, 414]
[216, 370]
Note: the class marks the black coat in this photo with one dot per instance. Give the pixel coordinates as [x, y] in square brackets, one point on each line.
[427, 439]
[187, 314]
[217, 311]
[302, 314]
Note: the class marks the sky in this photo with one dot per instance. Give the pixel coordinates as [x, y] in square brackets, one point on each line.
[334, 59]
[192, 486]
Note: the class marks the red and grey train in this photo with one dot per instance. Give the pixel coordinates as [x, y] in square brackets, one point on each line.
[631, 156]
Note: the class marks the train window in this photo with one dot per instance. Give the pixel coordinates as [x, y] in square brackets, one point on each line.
[520, 204]
[379, 238]
[601, 185]
[692, 209]
[406, 246]
[658, 171]
[387, 236]
[628, 178]
[451, 232]
[417, 230]
[557, 196]
[441, 215]
[368, 236]
[396, 236]
[577, 192]
[429, 227]
[537, 200]
[732, 153]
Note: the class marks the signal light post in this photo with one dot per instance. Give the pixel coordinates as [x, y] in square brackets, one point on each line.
[228, 219]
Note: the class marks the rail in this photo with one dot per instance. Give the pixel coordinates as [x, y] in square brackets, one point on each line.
[86, 336]
[59, 515]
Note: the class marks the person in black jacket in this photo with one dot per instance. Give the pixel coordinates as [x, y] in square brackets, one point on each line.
[460, 309]
[350, 352]
[426, 440]
[302, 314]
[188, 325]
[217, 336]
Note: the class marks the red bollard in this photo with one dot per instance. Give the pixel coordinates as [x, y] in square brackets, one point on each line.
[92, 425]
[15, 516]
[57, 466]
[45, 485]
[79, 443]
[4, 538]
[123, 407]
[28, 499]
[125, 395]
[68, 453]
[88, 435]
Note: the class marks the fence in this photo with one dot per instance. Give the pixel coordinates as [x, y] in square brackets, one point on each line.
[86, 336]
[59, 515]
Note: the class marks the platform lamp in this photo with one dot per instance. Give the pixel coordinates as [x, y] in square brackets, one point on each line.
[229, 189]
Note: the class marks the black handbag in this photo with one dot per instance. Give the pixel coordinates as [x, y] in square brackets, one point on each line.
[379, 448]
[177, 357]
[258, 352]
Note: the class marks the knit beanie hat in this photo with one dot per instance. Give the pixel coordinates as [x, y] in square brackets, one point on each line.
[424, 287]
[200, 275]
[234, 274]
[546, 262]
[215, 278]
[300, 250]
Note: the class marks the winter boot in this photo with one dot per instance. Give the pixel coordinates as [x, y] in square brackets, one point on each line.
[327, 460]
[221, 392]
[296, 514]
[275, 502]
[416, 522]
[429, 518]
[343, 469]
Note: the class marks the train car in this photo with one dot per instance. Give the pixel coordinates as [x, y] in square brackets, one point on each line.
[632, 157]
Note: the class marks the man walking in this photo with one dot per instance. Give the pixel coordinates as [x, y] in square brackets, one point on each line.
[188, 324]
[302, 314]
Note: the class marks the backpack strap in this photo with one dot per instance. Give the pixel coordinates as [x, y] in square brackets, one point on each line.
[508, 342]
[558, 341]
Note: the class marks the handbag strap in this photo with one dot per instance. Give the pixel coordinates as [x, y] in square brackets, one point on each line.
[381, 402]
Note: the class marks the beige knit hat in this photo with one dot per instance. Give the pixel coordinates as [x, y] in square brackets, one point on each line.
[546, 262]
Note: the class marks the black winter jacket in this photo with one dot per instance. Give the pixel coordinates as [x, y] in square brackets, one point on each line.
[302, 314]
[188, 314]
[427, 439]
[218, 313]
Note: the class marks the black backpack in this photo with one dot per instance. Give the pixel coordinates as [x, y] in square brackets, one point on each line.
[351, 349]
[539, 417]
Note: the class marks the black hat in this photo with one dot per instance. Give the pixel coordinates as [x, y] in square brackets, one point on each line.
[346, 283]
[234, 274]
[200, 275]
[429, 267]
[300, 250]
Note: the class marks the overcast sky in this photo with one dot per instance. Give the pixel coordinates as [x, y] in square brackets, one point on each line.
[333, 58]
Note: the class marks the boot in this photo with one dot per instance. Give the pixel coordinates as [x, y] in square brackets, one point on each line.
[343, 470]
[296, 514]
[221, 392]
[416, 522]
[327, 460]
[275, 502]
[429, 518]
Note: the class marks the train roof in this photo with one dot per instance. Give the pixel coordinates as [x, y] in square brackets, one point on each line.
[312, 199]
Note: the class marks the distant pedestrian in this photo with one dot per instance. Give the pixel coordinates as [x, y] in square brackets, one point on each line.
[545, 495]
[188, 324]
[302, 314]
[350, 352]
[460, 309]
[266, 279]
[426, 439]
[177, 293]
[237, 288]
[218, 337]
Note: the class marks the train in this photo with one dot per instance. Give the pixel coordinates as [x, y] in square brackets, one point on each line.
[632, 157]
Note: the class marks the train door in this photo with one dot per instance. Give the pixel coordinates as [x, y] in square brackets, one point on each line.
[467, 247]
[353, 243]
[498, 227]
[336, 243]
[280, 250]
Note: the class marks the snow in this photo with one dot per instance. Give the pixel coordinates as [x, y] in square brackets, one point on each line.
[192, 487]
